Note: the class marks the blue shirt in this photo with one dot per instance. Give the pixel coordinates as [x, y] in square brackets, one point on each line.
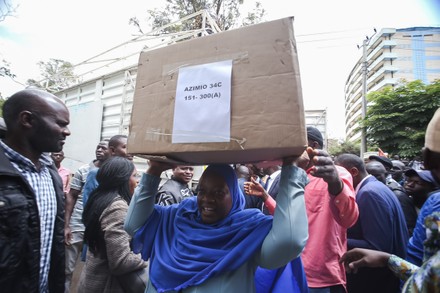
[415, 244]
[90, 185]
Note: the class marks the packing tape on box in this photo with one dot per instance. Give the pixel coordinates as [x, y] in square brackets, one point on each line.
[159, 136]
[240, 57]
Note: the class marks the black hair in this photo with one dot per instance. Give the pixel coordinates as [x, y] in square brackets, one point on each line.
[349, 161]
[115, 140]
[113, 177]
[30, 99]
[24, 100]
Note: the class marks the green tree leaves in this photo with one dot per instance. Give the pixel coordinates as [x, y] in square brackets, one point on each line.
[226, 14]
[397, 117]
[345, 147]
[5, 70]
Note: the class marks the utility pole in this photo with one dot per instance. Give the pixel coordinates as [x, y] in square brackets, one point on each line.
[364, 69]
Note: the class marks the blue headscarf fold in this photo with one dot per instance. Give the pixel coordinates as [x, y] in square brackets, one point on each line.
[184, 252]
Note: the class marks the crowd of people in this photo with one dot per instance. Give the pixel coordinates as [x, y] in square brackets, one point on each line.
[311, 224]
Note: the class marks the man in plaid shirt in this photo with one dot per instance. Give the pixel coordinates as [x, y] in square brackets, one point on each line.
[31, 193]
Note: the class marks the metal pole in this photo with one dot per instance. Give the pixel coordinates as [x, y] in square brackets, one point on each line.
[364, 92]
[364, 97]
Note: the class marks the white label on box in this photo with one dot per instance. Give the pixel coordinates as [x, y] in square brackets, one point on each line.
[202, 110]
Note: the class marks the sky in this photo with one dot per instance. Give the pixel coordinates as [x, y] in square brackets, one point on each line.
[327, 35]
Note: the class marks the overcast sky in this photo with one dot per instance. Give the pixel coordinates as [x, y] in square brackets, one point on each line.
[327, 33]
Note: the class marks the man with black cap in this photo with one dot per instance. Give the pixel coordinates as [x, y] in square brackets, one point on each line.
[331, 210]
[388, 164]
[418, 186]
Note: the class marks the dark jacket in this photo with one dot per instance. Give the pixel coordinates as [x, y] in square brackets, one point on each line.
[381, 226]
[274, 188]
[172, 191]
[20, 233]
[273, 191]
[407, 204]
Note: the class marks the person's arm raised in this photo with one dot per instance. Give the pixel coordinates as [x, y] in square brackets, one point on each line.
[289, 233]
[142, 202]
[326, 169]
[340, 187]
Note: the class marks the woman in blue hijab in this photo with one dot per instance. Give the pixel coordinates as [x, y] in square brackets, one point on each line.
[210, 243]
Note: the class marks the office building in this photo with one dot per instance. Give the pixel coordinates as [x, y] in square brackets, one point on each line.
[391, 55]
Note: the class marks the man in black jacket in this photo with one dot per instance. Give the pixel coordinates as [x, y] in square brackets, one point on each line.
[31, 194]
[176, 189]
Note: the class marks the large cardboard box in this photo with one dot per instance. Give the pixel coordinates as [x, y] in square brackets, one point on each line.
[267, 113]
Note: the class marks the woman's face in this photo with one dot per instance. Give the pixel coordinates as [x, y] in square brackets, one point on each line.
[132, 183]
[213, 199]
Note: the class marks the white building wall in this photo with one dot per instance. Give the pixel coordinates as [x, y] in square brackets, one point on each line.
[393, 55]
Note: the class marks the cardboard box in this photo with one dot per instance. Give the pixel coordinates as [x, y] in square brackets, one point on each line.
[267, 113]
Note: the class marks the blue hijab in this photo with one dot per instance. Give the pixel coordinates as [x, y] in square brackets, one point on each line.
[185, 252]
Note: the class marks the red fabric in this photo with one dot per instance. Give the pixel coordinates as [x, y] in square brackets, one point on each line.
[329, 217]
[65, 176]
[270, 204]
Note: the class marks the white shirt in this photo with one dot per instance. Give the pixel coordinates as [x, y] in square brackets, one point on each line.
[360, 183]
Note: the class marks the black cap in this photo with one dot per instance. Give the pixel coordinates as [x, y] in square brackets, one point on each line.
[315, 135]
[425, 175]
[383, 160]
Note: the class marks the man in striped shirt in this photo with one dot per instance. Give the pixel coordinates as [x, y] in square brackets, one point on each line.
[31, 194]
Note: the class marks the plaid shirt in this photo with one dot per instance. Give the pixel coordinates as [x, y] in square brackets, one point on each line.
[42, 184]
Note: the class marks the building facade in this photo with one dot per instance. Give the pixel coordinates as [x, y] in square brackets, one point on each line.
[392, 55]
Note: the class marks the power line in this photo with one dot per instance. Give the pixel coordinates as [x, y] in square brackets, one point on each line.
[348, 37]
[324, 40]
[332, 32]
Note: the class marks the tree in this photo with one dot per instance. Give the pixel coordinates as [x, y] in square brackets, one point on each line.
[226, 13]
[7, 9]
[397, 117]
[255, 16]
[2, 101]
[345, 147]
[5, 69]
[56, 75]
